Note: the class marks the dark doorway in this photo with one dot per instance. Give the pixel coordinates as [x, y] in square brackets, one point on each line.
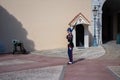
[110, 20]
[118, 27]
[79, 35]
[107, 30]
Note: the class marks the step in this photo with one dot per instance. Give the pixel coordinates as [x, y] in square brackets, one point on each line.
[115, 70]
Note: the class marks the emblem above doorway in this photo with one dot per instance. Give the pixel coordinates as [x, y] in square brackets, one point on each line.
[79, 19]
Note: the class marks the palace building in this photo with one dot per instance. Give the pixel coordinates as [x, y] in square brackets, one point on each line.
[42, 24]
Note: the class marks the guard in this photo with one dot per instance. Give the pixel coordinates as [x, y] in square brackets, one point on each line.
[70, 45]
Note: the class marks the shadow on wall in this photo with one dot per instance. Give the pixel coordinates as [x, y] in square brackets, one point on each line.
[90, 39]
[11, 28]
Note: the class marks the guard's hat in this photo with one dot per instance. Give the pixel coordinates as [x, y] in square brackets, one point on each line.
[69, 29]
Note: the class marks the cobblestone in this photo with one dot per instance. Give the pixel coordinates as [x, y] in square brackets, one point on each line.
[87, 53]
[94, 66]
[112, 50]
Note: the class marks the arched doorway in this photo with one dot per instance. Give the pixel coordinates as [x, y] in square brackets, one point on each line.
[79, 35]
[110, 20]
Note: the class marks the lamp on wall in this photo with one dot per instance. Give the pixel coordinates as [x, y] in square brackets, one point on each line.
[95, 11]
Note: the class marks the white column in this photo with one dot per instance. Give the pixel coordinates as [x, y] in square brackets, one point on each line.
[86, 36]
[100, 27]
[74, 37]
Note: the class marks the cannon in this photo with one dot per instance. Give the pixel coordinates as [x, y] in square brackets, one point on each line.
[18, 47]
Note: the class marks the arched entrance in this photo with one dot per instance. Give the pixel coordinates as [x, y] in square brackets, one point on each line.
[110, 20]
[79, 35]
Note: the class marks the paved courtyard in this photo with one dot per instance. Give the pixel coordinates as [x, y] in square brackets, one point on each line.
[94, 63]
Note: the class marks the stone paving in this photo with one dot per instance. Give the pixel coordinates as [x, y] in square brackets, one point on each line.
[87, 53]
[41, 67]
[47, 73]
[115, 70]
[112, 50]
[89, 64]
[90, 70]
[14, 61]
[112, 53]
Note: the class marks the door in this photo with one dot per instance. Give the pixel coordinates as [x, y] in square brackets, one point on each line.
[80, 35]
